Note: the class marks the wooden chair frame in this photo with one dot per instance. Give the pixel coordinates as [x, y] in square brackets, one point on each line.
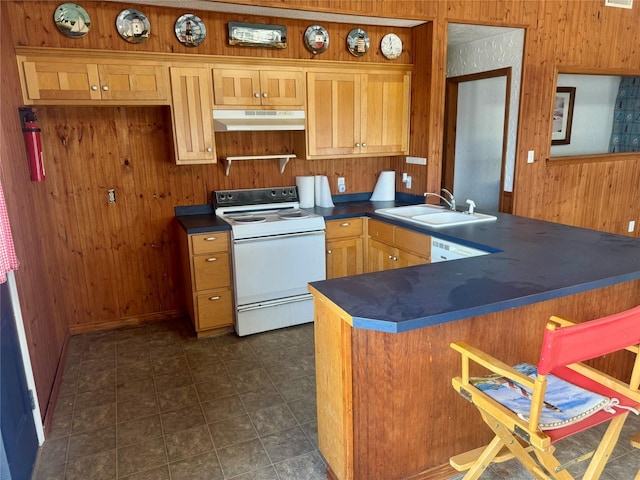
[567, 345]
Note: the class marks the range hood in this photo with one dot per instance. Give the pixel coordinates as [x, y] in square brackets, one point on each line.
[257, 120]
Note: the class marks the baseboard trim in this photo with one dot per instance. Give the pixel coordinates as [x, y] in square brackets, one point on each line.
[126, 321]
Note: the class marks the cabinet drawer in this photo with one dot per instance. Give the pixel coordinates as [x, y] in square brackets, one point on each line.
[413, 241]
[211, 271]
[383, 232]
[215, 309]
[351, 227]
[210, 242]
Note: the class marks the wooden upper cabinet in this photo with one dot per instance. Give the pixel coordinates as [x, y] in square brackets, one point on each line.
[87, 81]
[358, 113]
[386, 111]
[333, 114]
[256, 88]
[191, 109]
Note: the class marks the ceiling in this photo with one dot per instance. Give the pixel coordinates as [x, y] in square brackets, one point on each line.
[458, 33]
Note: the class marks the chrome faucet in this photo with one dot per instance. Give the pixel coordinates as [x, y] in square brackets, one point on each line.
[451, 202]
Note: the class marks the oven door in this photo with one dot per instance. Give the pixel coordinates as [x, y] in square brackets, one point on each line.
[277, 268]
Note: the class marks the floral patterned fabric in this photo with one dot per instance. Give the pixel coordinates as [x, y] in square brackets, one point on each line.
[8, 259]
[625, 136]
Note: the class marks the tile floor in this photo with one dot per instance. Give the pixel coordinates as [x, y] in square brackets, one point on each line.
[154, 402]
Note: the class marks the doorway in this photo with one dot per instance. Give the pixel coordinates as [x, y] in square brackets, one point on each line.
[475, 137]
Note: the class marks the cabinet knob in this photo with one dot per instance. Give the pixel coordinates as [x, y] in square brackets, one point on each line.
[214, 298]
[211, 259]
[329, 252]
[257, 95]
[364, 144]
[357, 144]
[210, 239]
[94, 87]
[105, 88]
[390, 257]
[346, 224]
[209, 149]
[264, 94]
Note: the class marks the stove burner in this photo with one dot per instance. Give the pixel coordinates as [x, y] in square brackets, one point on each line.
[248, 219]
[294, 215]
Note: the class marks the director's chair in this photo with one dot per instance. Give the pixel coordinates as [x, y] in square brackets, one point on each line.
[565, 346]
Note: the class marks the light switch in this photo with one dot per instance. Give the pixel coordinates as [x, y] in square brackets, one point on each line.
[531, 156]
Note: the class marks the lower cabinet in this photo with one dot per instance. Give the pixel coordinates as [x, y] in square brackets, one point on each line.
[345, 247]
[207, 281]
[392, 247]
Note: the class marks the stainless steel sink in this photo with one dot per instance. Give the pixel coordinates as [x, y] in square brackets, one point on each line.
[433, 216]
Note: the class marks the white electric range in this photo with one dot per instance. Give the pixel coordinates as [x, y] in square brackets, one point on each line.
[277, 249]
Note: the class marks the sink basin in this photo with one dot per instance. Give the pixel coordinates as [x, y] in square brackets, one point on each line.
[411, 210]
[433, 216]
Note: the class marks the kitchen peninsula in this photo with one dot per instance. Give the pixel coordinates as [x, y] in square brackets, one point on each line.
[386, 408]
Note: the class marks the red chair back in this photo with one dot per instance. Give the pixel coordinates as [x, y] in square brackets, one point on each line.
[584, 341]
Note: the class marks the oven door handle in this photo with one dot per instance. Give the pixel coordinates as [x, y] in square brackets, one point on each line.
[273, 237]
[273, 303]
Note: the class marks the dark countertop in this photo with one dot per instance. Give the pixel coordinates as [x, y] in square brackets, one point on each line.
[533, 261]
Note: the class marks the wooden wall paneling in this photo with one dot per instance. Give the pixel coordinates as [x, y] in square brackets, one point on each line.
[31, 224]
[103, 33]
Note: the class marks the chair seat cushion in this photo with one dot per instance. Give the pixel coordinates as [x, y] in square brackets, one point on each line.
[572, 402]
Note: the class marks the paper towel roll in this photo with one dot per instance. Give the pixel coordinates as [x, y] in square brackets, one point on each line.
[322, 191]
[306, 191]
[385, 189]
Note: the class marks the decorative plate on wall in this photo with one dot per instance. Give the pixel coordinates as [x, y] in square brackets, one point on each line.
[190, 30]
[133, 26]
[316, 39]
[72, 20]
[358, 42]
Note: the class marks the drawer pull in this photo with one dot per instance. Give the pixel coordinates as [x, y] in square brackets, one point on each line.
[210, 239]
[329, 252]
[105, 88]
[214, 298]
[213, 259]
[346, 224]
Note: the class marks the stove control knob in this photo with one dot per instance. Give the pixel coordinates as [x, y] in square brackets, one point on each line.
[273, 193]
[229, 196]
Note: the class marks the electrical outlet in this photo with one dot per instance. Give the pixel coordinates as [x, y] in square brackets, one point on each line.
[408, 182]
[111, 196]
[632, 226]
[404, 177]
[341, 185]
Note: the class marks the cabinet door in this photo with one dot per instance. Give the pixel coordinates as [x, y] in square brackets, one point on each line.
[345, 257]
[191, 109]
[333, 111]
[56, 80]
[282, 88]
[385, 124]
[381, 256]
[408, 259]
[235, 86]
[133, 82]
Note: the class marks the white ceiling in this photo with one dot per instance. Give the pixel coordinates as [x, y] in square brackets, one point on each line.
[458, 33]
[315, 17]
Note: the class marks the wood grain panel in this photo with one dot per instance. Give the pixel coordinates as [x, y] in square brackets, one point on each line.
[32, 224]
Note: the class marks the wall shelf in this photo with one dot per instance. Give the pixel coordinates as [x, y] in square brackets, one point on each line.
[284, 159]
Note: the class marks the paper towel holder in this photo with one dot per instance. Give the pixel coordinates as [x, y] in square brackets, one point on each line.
[284, 159]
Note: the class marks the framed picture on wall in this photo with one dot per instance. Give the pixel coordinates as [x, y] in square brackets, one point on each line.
[563, 115]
